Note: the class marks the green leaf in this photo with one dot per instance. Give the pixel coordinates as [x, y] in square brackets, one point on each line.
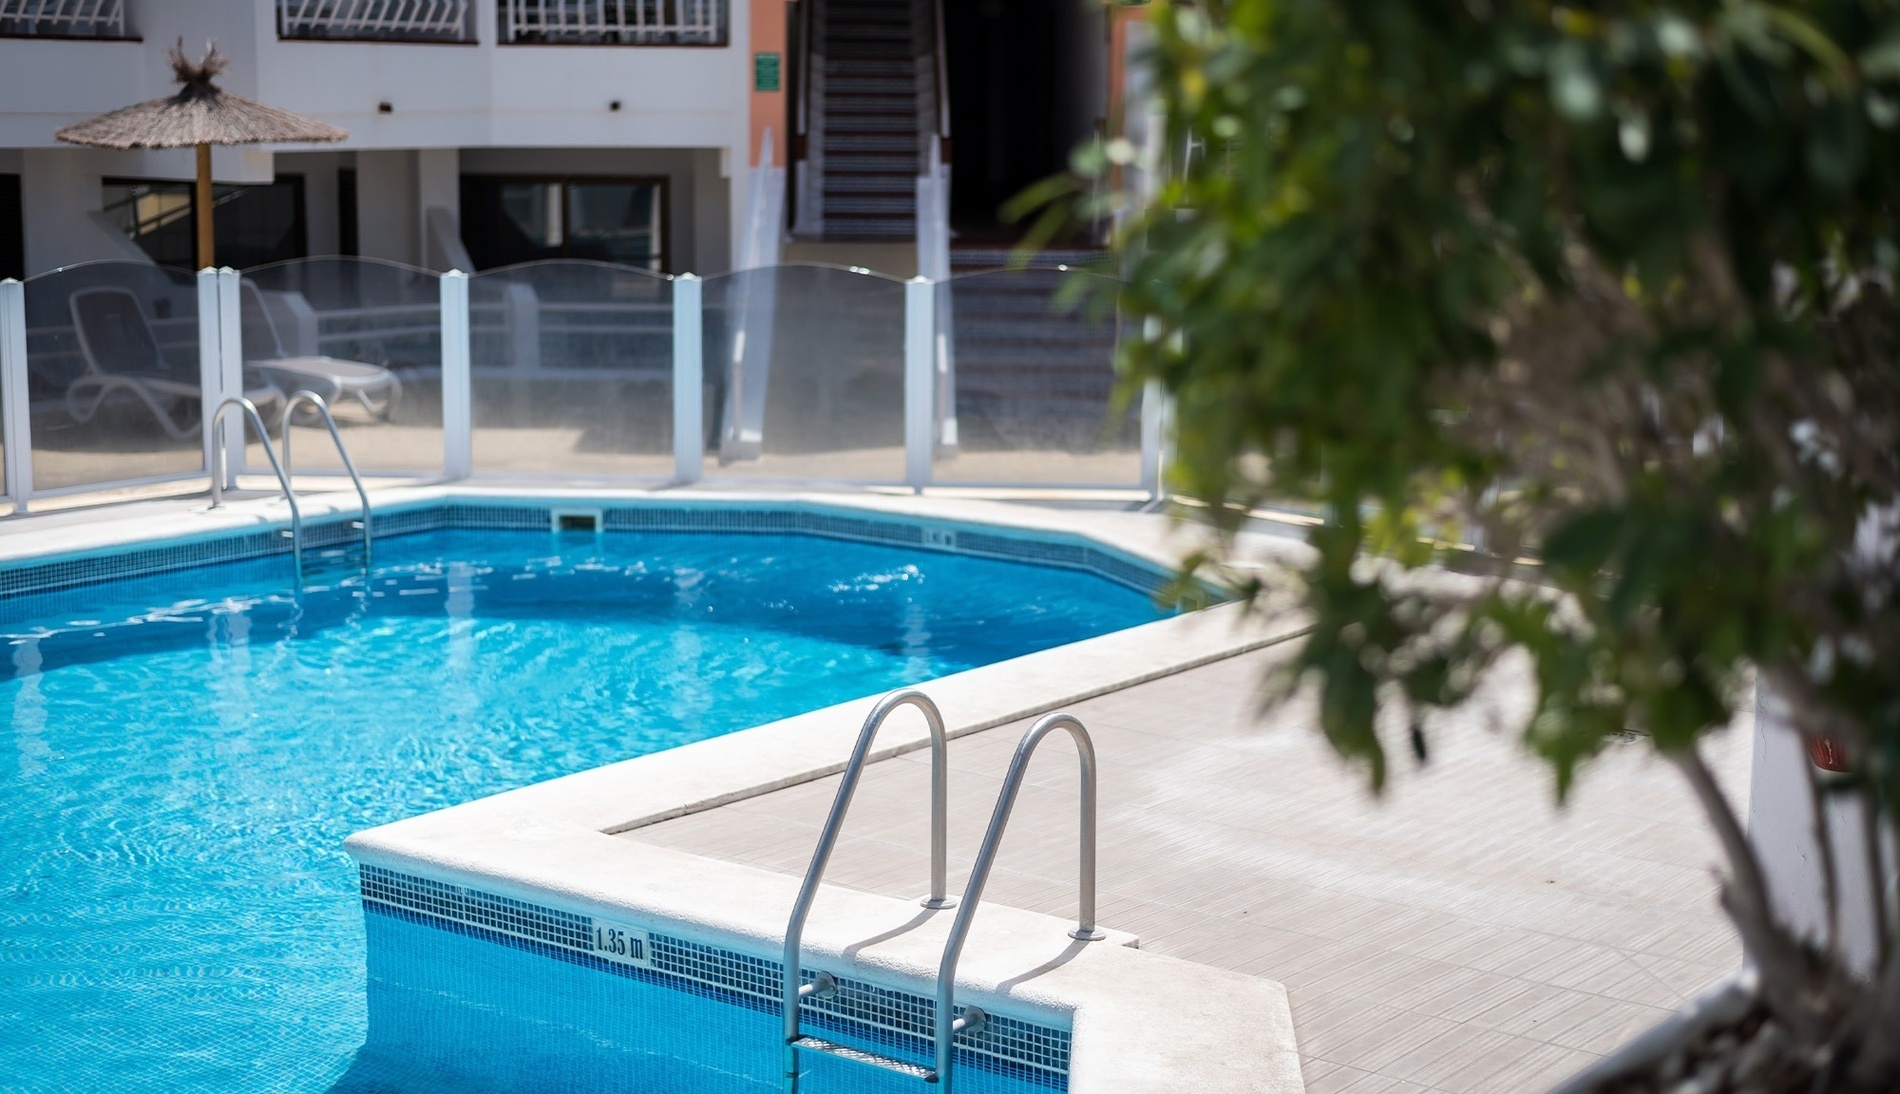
[1584, 543]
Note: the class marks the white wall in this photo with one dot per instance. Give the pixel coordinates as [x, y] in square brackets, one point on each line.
[1781, 827]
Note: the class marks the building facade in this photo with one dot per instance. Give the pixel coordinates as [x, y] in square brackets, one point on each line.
[578, 129]
[489, 132]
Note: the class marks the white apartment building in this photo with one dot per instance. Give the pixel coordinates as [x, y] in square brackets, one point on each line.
[489, 132]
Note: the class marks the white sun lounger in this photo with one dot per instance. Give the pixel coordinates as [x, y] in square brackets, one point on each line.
[123, 356]
[373, 387]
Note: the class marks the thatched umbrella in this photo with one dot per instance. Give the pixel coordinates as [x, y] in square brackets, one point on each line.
[200, 114]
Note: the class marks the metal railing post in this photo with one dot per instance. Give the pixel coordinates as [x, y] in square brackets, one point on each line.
[210, 361]
[948, 1022]
[17, 428]
[689, 382]
[920, 375]
[458, 445]
[231, 368]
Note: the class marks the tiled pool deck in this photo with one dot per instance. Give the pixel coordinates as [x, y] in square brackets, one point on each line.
[1462, 934]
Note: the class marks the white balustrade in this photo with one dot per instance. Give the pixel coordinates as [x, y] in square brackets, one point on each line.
[410, 20]
[623, 22]
[64, 18]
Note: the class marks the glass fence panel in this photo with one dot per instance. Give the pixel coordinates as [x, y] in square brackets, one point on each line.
[3, 452]
[112, 375]
[572, 369]
[364, 334]
[806, 370]
[1026, 372]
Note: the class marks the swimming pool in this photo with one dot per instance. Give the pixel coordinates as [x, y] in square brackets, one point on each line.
[190, 749]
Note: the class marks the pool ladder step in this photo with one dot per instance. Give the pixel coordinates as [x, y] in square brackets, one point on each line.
[864, 1056]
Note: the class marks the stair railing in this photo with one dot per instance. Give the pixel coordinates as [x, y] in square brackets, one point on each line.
[220, 464]
[795, 990]
[305, 395]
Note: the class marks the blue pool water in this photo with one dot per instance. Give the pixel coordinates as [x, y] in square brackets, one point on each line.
[185, 754]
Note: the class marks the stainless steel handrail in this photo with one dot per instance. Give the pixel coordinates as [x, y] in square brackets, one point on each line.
[942, 62]
[1085, 931]
[828, 838]
[220, 459]
[323, 408]
[806, 50]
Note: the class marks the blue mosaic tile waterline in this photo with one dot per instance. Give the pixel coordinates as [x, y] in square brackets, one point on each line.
[187, 751]
[550, 1022]
[884, 1019]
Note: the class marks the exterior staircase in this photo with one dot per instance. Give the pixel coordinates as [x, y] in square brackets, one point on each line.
[1031, 370]
[871, 117]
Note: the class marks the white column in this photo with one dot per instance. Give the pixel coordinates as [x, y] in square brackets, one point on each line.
[458, 449]
[231, 371]
[17, 426]
[920, 375]
[210, 359]
[689, 366]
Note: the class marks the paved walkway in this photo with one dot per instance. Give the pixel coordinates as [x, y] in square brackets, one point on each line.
[1460, 934]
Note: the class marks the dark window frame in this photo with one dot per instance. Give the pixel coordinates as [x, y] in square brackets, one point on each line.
[661, 183]
[348, 214]
[300, 209]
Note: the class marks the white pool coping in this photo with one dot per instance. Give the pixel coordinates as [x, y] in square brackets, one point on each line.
[1140, 1022]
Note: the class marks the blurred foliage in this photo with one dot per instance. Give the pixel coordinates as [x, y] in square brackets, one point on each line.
[1605, 290]
[1611, 287]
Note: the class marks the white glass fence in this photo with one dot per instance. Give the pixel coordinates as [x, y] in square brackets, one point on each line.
[572, 370]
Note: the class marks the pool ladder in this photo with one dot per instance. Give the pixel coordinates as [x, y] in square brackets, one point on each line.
[948, 1023]
[220, 466]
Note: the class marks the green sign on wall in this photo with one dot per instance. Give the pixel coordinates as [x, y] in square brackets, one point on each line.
[765, 68]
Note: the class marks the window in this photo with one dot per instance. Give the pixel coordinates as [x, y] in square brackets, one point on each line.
[253, 224]
[67, 19]
[376, 20]
[346, 234]
[624, 22]
[12, 229]
[510, 220]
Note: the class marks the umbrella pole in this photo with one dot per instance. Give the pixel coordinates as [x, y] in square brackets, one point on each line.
[202, 203]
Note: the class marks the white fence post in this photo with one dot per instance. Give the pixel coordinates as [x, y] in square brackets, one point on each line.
[458, 445]
[920, 380]
[1154, 425]
[231, 371]
[689, 379]
[18, 425]
[210, 359]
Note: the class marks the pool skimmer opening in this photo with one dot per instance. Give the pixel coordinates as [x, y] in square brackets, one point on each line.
[575, 520]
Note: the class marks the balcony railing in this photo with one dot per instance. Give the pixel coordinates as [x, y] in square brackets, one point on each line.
[614, 22]
[63, 18]
[375, 20]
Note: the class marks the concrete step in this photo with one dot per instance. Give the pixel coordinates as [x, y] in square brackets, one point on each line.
[888, 143]
[842, 122]
[866, 68]
[983, 258]
[872, 163]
